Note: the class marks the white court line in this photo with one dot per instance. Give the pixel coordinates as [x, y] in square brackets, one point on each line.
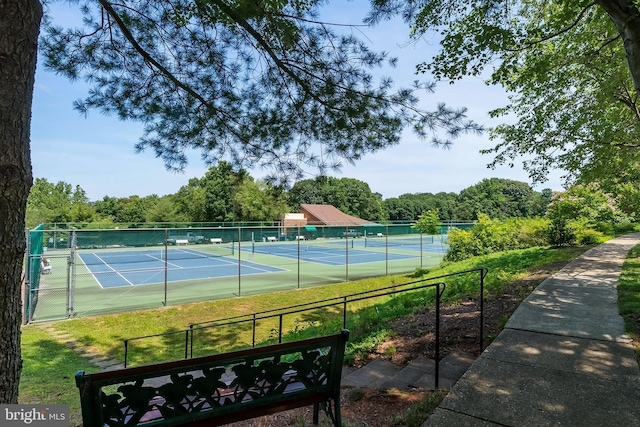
[91, 272]
[113, 269]
[161, 260]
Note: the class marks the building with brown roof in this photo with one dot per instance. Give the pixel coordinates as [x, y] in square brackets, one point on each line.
[312, 215]
[329, 215]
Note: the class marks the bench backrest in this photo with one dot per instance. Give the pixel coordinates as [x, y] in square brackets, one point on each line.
[221, 386]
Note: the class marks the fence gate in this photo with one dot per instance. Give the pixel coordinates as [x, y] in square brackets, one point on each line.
[50, 295]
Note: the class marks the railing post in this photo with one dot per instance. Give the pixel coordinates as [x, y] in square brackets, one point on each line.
[253, 334]
[344, 313]
[437, 355]
[280, 331]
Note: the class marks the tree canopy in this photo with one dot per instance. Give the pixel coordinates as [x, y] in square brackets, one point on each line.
[351, 196]
[572, 69]
[223, 195]
[250, 82]
[255, 83]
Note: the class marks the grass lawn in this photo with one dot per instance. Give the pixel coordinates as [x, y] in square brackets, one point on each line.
[49, 366]
[629, 296]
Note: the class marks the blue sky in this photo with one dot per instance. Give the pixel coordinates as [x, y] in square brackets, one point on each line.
[97, 153]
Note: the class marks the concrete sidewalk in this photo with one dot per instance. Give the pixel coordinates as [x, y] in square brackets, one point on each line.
[562, 359]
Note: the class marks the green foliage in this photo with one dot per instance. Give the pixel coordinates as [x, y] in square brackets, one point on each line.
[58, 202]
[252, 83]
[259, 201]
[582, 202]
[351, 196]
[629, 294]
[561, 234]
[408, 207]
[495, 197]
[587, 236]
[428, 223]
[492, 235]
[570, 69]
[501, 198]
[583, 214]
[417, 415]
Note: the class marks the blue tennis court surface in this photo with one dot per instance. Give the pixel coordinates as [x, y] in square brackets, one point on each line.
[131, 268]
[327, 253]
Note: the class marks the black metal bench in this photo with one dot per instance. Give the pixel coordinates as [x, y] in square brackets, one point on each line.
[219, 389]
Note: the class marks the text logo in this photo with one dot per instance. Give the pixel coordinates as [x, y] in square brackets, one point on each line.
[34, 415]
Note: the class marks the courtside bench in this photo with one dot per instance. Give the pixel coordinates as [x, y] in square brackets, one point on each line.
[219, 389]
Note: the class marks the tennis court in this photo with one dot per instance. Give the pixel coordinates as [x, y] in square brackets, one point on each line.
[332, 253]
[142, 267]
[416, 244]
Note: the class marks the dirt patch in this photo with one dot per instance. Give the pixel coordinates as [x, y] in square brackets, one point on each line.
[460, 322]
[359, 408]
[413, 337]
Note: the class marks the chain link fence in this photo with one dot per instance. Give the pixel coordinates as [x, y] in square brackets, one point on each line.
[83, 272]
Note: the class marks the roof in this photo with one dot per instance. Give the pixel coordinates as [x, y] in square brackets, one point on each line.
[329, 215]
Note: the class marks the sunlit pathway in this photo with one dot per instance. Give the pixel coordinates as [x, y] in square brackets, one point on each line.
[562, 359]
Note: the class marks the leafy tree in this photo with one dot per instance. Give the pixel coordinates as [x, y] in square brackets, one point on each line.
[428, 223]
[133, 209]
[581, 215]
[628, 200]
[582, 202]
[258, 201]
[221, 184]
[107, 208]
[492, 235]
[500, 198]
[250, 82]
[309, 191]
[399, 208]
[253, 82]
[58, 202]
[48, 202]
[190, 201]
[82, 212]
[446, 204]
[164, 210]
[351, 196]
[408, 207]
[572, 68]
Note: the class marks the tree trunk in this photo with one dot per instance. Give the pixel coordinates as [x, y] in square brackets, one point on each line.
[626, 17]
[19, 27]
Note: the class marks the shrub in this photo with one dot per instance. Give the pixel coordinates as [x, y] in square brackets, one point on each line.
[560, 234]
[625, 228]
[587, 236]
[533, 232]
[491, 235]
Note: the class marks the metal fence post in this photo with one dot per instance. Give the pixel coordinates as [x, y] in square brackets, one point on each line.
[72, 285]
[344, 313]
[166, 265]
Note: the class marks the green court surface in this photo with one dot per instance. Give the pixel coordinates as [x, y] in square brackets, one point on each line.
[74, 288]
